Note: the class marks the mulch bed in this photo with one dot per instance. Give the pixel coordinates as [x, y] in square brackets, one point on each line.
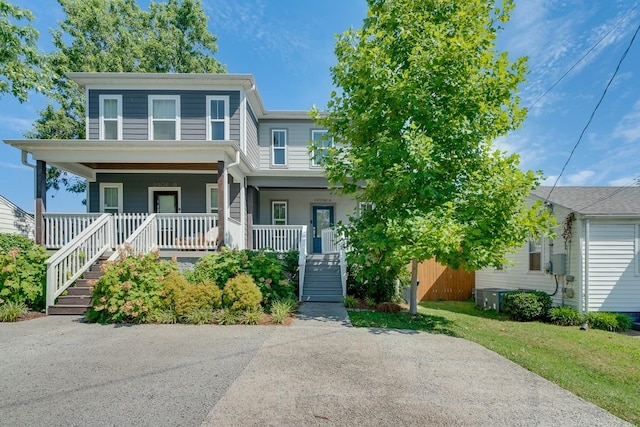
[31, 315]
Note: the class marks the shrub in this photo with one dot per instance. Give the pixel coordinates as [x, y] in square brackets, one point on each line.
[565, 316]
[350, 301]
[251, 317]
[376, 281]
[224, 316]
[282, 309]
[198, 316]
[241, 293]
[130, 289]
[268, 270]
[185, 297]
[166, 317]
[23, 273]
[614, 322]
[525, 306]
[10, 311]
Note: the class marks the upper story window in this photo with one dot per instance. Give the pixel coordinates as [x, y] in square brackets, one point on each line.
[217, 117]
[321, 143]
[164, 117]
[535, 255]
[278, 147]
[110, 111]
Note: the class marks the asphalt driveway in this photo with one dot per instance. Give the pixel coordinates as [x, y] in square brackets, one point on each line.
[57, 371]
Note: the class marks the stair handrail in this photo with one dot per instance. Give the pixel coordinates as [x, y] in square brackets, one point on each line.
[343, 270]
[302, 260]
[143, 240]
[73, 259]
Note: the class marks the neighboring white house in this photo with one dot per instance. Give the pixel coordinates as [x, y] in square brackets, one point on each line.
[14, 220]
[597, 240]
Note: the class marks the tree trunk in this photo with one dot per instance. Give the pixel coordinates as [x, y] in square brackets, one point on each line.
[413, 294]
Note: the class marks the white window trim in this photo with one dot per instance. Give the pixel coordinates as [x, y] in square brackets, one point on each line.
[151, 190]
[208, 197]
[542, 262]
[117, 185]
[286, 211]
[101, 99]
[175, 98]
[313, 152]
[274, 148]
[224, 98]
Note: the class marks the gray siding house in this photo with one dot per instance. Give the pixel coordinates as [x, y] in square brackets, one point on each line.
[593, 264]
[197, 144]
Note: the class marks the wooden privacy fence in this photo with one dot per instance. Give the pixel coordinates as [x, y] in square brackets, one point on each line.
[438, 282]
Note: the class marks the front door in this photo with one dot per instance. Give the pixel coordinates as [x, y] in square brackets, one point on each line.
[322, 218]
[165, 202]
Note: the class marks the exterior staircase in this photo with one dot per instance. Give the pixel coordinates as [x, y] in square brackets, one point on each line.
[78, 298]
[322, 279]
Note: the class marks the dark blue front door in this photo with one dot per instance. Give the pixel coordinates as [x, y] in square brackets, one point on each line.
[322, 218]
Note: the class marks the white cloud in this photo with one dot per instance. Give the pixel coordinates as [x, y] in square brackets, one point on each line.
[17, 124]
[628, 128]
[623, 182]
[7, 165]
[580, 178]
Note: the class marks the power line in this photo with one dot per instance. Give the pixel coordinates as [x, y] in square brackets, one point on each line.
[587, 53]
[593, 113]
[613, 193]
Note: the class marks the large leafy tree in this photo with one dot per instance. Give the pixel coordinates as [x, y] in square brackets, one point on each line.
[422, 94]
[118, 36]
[21, 66]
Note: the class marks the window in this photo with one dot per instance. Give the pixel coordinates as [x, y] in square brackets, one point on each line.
[364, 206]
[535, 255]
[164, 117]
[110, 197]
[321, 143]
[212, 198]
[279, 147]
[217, 118]
[110, 111]
[279, 213]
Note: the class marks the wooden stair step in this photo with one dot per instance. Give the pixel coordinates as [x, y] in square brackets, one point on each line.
[82, 300]
[68, 309]
[79, 291]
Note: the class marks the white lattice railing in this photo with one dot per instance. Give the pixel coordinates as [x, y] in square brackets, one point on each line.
[302, 260]
[61, 228]
[68, 264]
[279, 238]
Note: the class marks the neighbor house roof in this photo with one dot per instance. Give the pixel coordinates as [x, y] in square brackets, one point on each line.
[605, 201]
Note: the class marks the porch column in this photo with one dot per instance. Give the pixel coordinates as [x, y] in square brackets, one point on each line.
[41, 200]
[222, 209]
[251, 191]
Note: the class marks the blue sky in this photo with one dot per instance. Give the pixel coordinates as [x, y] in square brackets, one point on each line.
[288, 46]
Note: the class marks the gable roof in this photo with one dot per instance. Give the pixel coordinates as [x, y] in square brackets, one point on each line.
[606, 201]
[12, 205]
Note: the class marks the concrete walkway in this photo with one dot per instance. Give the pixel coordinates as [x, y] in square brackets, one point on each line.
[318, 372]
[322, 314]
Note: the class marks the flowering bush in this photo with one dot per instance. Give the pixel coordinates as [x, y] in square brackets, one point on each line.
[241, 293]
[23, 273]
[130, 289]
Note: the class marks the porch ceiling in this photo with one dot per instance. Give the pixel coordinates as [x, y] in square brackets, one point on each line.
[153, 166]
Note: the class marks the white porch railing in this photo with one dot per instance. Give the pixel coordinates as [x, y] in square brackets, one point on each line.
[124, 224]
[330, 241]
[142, 240]
[187, 231]
[61, 228]
[279, 238]
[302, 261]
[68, 264]
[343, 271]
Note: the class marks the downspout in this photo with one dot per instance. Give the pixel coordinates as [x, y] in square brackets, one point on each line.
[581, 249]
[26, 163]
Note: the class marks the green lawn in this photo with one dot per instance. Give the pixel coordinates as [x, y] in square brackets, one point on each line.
[601, 367]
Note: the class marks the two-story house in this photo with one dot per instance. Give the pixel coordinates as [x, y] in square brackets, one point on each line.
[197, 155]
